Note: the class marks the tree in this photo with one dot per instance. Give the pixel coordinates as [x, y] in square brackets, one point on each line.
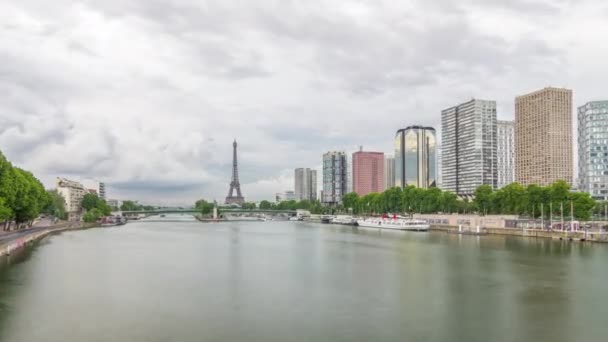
[204, 206]
[56, 205]
[90, 201]
[265, 205]
[92, 215]
[129, 206]
[483, 198]
[351, 201]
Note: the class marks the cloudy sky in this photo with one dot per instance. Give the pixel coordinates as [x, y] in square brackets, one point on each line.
[148, 95]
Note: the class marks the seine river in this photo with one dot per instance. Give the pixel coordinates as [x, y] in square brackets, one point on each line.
[294, 281]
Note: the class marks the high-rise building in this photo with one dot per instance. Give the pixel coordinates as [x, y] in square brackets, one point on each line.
[101, 190]
[505, 140]
[368, 172]
[415, 157]
[334, 177]
[389, 171]
[438, 180]
[72, 193]
[349, 173]
[593, 149]
[468, 142]
[305, 184]
[543, 137]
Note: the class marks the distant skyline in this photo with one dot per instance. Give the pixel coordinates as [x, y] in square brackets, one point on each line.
[147, 96]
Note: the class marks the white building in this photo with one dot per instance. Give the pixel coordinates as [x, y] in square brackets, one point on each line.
[439, 182]
[305, 184]
[593, 149]
[505, 163]
[72, 192]
[389, 171]
[468, 141]
[101, 190]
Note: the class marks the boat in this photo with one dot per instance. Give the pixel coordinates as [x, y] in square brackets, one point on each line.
[295, 218]
[344, 219]
[326, 218]
[395, 222]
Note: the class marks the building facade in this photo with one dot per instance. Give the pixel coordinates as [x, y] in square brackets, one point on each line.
[101, 190]
[368, 172]
[415, 148]
[334, 177]
[543, 137]
[389, 171]
[593, 149]
[288, 195]
[305, 184]
[505, 147]
[468, 142]
[72, 192]
[438, 180]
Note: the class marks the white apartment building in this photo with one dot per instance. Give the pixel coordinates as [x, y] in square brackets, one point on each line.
[505, 146]
[72, 192]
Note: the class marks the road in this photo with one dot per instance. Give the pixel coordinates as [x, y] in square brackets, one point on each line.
[8, 237]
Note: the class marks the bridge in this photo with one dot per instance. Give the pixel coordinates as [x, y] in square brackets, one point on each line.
[221, 210]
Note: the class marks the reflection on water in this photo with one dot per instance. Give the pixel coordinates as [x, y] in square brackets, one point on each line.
[296, 281]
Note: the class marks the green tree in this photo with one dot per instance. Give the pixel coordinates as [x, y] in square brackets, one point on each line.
[204, 206]
[90, 201]
[56, 205]
[483, 198]
[92, 215]
[129, 206]
[265, 205]
[351, 201]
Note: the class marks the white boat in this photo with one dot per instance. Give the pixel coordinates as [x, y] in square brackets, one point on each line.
[397, 222]
[295, 218]
[344, 219]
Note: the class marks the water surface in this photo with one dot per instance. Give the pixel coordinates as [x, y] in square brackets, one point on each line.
[295, 281]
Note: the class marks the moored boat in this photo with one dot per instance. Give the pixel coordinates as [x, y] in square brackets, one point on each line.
[395, 222]
[344, 219]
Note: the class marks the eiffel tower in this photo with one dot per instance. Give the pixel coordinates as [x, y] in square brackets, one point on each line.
[234, 184]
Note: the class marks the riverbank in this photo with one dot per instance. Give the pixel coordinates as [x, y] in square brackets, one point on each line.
[28, 238]
[533, 233]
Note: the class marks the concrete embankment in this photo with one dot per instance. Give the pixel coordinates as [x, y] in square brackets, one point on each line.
[25, 240]
[535, 233]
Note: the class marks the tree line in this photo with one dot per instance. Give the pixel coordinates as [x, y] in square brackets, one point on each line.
[22, 196]
[513, 199]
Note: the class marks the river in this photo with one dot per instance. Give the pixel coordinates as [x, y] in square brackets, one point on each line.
[296, 281]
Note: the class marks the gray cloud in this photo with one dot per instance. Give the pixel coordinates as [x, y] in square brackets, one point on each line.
[147, 95]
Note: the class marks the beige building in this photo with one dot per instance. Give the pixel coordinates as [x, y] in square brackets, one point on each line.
[72, 192]
[543, 136]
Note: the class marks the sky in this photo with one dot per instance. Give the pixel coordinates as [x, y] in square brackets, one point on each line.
[148, 95]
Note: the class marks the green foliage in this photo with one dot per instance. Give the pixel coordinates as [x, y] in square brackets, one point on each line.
[129, 206]
[248, 205]
[92, 215]
[265, 205]
[56, 205]
[204, 206]
[91, 202]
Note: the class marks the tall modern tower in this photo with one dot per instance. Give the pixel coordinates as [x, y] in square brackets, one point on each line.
[543, 136]
[438, 167]
[593, 149]
[305, 184]
[234, 184]
[334, 177]
[468, 142]
[368, 172]
[505, 140]
[415, 157]
[389, 171]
